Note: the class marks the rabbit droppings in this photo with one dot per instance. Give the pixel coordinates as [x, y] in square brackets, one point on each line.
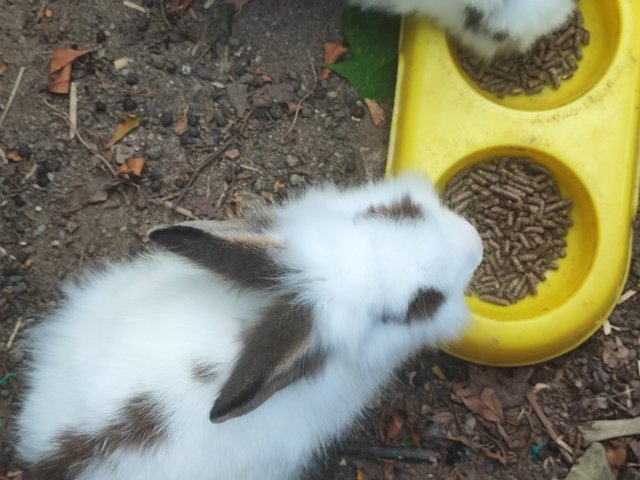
[238, 348]
[486, 27]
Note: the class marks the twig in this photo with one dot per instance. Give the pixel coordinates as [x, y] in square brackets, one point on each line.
[315, 83]
[606, 429]
[210, 158]
[3, 157]
[135, 6]
[249, 167]
[163, 13]
[392, 453]
[171, 206]
[13, 94]
[73, 110]
[102, 158]
[14, 332]
[565, 449]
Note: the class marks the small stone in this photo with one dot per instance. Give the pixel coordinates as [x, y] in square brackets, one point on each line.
[52, 164]
[154, 152]
[24, 151]
[129, 104]
[350, 97]
[101, 36]
[100, 107]
[292, 161]
[340, 132]
[204, 73]
[166, 119]
[193, 132]
[141, 203]
[234, 42]
[132, 79]
[357, 110]
[185, 70]
[306, 112]
[296, 180]
[219, 118]
[42, 180]
[171, 67]
[4, 393]
[16, 355]
[156, 186]
[71, 227]
[332, 95]
[21, 256]
[55, 243]
[192, 120]
[276, 111]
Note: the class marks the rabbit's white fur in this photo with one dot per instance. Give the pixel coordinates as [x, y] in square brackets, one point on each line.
[518, 23]
[138, 327]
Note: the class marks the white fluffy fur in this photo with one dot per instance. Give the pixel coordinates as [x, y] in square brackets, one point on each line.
[524, 21]
[138, 327]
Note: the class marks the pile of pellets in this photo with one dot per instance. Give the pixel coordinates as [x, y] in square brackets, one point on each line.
[553, 58]
[516, 206]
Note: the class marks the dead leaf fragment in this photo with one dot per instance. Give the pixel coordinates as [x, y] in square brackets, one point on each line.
[14, 156]
[120, 63]
[93, 194]
[487, 404]
[60, 68]
[181, 125]
[131, 169]
[333, 51]
[390, 426]
[614, 353]
[237, 93]
[127, 123]
[375, 110]
[617, 457]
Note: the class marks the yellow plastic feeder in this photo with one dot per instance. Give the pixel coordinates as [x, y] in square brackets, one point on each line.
[586, 133]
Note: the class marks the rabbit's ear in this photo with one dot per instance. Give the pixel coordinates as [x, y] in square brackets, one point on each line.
[233, 249]
[277, 352]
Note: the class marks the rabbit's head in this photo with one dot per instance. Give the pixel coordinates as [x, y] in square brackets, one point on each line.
[345, 269]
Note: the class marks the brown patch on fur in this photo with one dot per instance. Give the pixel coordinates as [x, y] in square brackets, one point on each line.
[243, 259]
[404, 209]
[139, 428]
[205, 372]
[424, 304]
[275, 354]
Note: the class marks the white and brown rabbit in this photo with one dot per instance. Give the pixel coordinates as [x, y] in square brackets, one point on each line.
[238, 348]
[486, 26]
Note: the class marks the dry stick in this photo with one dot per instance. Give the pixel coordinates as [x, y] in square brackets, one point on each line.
[606, 429]
[315, 83]
[13, 94]
[406, 454]
[73, 110]
[14, 332]
[565, 449]
[102, 158]
[201, 167]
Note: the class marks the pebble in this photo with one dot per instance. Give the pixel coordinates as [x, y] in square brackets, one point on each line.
[132, 79]
[350, 97]
[166, 119]
[129, 104]
[53, 164]
[193, 132]
[154, 152]
[156, 185]
[171, 67]
[141, 203]
[185, 70]
[340, 132]
[219, 118]
[357, 110]
[204, 73]
[100, 107]
[71, 227]
[55, 243]
[306, 112]
[101, 36]
[292, 161]
[16, 354]
[296, 180]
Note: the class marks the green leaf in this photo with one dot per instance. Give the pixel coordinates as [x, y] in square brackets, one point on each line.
[373, 42]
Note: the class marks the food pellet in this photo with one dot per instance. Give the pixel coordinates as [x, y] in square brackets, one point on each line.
[552, 59]
[522, 223]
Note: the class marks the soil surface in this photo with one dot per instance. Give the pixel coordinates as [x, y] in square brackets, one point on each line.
[239, 76]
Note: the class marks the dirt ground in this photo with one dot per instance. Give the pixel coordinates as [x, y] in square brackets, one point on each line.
[61, 212]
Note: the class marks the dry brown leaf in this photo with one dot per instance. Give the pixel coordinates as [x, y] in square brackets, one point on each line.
[388, 467]
[181, 125]
[487, 404]
[392, 425]
[14, 156]
[94, 194]
[126, 124]
[614, 353]
[333, 51]
[237, 94]
[60, 68]
[442, 417]
[131, 169]
[375, 110]
[493, 405]
[617, 457]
